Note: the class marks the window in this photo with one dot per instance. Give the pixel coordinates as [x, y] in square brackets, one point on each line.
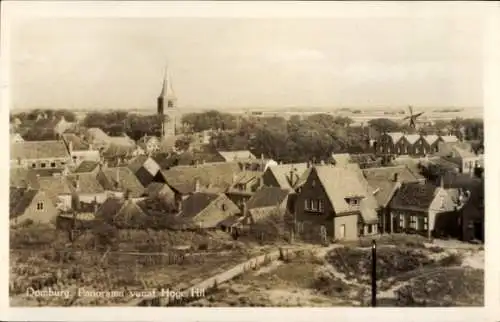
[306, 204]
[401, 221]
[369, 229]
[314, 205]
[33, 165]
[170, 104]
[425, 223]
[39, 206]
[52, 164]
[313, 183]
[42, 165]
[321, 205]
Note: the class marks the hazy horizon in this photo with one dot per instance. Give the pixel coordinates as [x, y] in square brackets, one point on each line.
[118, 63]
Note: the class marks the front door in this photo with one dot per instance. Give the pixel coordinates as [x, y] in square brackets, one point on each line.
[342, 232]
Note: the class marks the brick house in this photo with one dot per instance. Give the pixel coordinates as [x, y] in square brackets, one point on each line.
[39, 155]
[424, 209]
[30, 205]
[339, 199]
[385, 181]
[386, 143]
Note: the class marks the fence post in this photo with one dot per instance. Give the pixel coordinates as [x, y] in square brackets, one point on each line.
[374, 273]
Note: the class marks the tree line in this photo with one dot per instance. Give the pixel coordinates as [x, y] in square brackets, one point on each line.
[296, 139]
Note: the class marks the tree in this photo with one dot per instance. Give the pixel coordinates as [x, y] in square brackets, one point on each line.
[183, 143]
[384, 125]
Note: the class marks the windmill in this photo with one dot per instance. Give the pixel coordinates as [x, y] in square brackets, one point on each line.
[412, 117]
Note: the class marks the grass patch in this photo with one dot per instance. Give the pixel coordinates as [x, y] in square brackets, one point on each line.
[446, 287]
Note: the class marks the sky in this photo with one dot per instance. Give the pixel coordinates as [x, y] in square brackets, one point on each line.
[247, 62]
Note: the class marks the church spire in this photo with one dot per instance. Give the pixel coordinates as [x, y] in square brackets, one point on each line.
[167, 90]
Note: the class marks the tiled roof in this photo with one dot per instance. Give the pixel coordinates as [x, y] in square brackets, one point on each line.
[55, 186]
[144, 161]
[404, 174]
[267, 197]
[21, 177]
[216, 175]
[86, 166]
[282, 174]
[121, 179]
[340, 183]
[154, 188]
[38, 150]
[341, 158]
[383, 190]
[110, 208]
[236, 155]
[87, 183]
[431, 139]
[414, 195]
[395, 136]
[196, 202]
[78, 143]
[412, 138]
[97, 134]
[19, 200]
[118, 150]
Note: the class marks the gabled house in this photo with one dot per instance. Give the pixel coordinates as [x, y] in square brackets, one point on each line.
[386, 143]
[203, 210]
[339, 199]
[160, 191]
[59, 189]
[432, 142]
[79, 149]
[128, 213]
[209, 177]
[149, 144]
[146, 169]
[39, 154]
[87, 187]
[244, 185]
[421, 208]
[119, 180]
[419, 146]
[97, 137]
[385, 181]
[461, 154]
[284, 176]
[27, 204]
[265, 202]
[403, 146]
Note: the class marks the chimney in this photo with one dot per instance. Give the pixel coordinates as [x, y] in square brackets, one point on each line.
[127, 194]
[395, 177]
[91, 147]
[308, 164]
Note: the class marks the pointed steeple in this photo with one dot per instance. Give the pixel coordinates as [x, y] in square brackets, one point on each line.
[167, 90]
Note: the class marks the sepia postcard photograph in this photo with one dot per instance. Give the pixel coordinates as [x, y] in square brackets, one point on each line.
[245, 160]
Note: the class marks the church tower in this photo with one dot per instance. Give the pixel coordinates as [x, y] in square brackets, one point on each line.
[167, 106]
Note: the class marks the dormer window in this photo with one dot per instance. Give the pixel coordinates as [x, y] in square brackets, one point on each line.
[353, 201]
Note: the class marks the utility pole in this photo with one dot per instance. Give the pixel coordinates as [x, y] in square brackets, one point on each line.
[374, 273]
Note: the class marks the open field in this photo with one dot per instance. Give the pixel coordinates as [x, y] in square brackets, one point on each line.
[407, 277]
